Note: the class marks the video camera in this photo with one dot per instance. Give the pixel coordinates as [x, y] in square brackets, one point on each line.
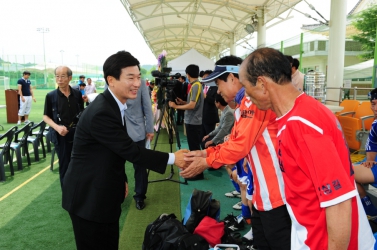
[167, 81]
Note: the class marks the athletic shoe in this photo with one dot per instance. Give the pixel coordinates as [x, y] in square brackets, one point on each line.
[19, 123]
[238, 206]
[233, 194]
[26, 122]
[248, 236]
[236, 224]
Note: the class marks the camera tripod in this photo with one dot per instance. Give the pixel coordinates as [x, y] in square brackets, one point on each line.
[171, 126]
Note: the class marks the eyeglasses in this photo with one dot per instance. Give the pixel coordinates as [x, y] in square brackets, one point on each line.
[61, 77]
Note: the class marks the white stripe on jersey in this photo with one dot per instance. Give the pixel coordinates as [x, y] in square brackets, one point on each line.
[338, 199]
[274, 157]
[299, 233]
[281, 130]
[365, 236]
[263, 187]
[237, 114]
[310, 124]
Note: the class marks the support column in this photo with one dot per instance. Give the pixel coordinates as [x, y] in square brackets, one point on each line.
[261, 38]
[335, 61]
[232, 45]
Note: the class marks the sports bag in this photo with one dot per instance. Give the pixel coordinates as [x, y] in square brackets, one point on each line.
[163, 233]
[200, 204]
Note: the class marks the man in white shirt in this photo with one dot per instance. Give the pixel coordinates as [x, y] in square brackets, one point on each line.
[90, 87]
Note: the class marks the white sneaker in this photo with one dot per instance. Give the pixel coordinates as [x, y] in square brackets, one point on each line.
[233, 194]
[26, 122]
[248, 236]
[238, 206]
[19, 123]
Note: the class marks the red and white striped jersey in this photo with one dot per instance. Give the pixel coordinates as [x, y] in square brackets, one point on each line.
[318, 173]
[254, 135]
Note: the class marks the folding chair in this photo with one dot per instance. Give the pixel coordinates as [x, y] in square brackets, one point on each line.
[348, 106]
[5, 153]
[37, 138]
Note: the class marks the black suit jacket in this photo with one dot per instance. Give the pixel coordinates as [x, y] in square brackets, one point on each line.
[93, 187]
[210, 112]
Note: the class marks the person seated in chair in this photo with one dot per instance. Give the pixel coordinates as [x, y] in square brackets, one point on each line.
[366, 172]
[226, 124]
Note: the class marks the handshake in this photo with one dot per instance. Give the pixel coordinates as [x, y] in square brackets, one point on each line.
[191, 163]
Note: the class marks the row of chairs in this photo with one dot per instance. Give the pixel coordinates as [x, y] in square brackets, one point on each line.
[17, 141]
[356, 120]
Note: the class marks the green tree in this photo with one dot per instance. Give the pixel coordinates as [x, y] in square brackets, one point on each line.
[366, 22]
[143, 73]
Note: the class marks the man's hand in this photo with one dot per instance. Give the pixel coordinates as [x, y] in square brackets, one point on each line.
[368, 164]
[179, 100]
[85, 98]
[196, 153]
[179, 161]
[197, 166]
[172, 105]
[205, 137]
[208, 143]
[35, 100]
[22, 99]
[226, 138]
[62, 130]
[126, 189]
[150, 136]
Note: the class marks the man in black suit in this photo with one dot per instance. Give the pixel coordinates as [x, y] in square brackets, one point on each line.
[95, 184]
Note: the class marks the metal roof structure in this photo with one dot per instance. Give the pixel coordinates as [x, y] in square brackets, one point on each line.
[209, 26]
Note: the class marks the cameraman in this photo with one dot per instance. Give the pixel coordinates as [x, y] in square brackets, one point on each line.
[193, 111]
[62, 109]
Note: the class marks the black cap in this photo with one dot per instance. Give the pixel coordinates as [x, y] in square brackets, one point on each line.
[26, 72]
[82, 76]
[82, 84]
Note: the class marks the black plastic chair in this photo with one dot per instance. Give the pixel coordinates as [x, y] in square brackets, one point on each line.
[36, 138]
[5, 153]
[45, 132]
[21, 143]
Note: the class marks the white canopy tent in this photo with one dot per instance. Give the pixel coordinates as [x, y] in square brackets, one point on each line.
[360, 70]
[192, 56]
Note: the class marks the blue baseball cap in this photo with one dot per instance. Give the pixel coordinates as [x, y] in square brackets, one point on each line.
[220, 70]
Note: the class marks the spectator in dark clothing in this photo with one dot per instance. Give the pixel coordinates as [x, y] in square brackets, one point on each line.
[210, 112]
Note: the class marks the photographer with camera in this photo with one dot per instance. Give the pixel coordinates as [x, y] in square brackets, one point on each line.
[193, 111]
[63, 107]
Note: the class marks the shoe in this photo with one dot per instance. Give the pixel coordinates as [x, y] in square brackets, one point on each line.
[248, 236]
[236, 224]
[233, 194]
[140, 205]
[196, 177]
[26, 122]
[19, 123]
[238, 206]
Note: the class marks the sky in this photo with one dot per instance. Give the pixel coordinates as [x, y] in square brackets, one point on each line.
[89, 31]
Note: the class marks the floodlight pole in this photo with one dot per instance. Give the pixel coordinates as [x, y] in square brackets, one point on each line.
[62, 51]
[44, 30]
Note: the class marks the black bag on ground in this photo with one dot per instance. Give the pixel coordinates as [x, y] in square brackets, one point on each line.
[200, 204]
[163, 233]
[192, 242]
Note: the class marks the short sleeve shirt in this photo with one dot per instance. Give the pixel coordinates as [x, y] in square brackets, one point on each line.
[194, 116]
[25, 86]
[371, 144]
[318, 173]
